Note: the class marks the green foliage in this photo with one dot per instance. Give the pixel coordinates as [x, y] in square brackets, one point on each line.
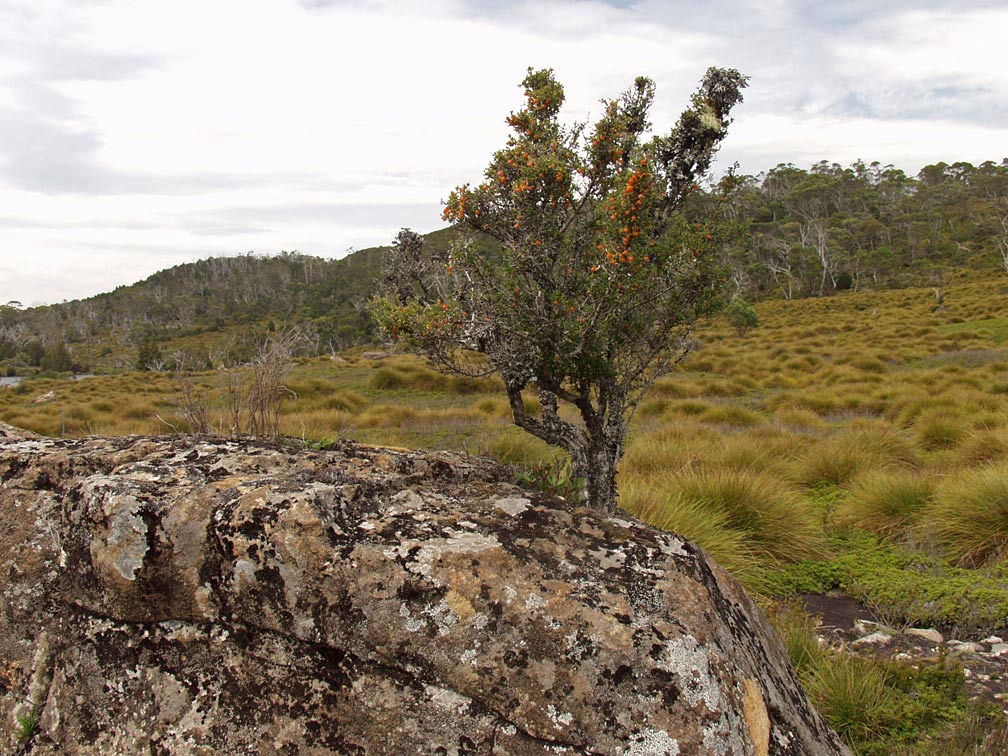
[27, 726]
[553, 477]
[148, 354]
[741, 316]
[900, 585]
[879, 707]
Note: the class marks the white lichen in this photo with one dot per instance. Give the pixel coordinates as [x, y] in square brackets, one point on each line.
[652, 743]
[513, 506]
[688, 661]
[560, 719]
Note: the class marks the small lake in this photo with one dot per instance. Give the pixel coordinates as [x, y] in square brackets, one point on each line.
[14, 380]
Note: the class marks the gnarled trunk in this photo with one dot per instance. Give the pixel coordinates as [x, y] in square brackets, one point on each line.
[595, 449]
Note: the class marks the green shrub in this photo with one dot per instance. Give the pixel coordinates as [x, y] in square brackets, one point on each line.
[741, 316]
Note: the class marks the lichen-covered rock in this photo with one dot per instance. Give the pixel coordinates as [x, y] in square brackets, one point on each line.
[179, 596]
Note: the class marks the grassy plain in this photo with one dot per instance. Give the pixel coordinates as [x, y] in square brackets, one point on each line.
[857, 442]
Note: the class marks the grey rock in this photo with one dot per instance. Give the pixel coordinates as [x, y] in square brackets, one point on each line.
[216, 596]
[928, 634]
[965, 647]
[878, 638]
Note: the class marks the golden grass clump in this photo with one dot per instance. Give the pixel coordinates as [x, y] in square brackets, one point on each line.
[667, 450]
[746, 519]
[940, 430]
[344, 401]
[984, 445]
[777, 524]
[969, 517]
[730, 414]
[513, 446]
[886, 502]
[861, 447]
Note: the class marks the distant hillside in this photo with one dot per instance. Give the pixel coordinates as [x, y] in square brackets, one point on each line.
[209, 306]
[799, 233]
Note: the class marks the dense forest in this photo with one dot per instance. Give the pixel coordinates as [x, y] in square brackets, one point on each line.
[797, 233]
[810, 233]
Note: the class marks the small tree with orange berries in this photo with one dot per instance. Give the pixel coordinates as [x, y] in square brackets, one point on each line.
[596, 279]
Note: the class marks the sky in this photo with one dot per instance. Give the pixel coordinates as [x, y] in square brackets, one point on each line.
[138, 135]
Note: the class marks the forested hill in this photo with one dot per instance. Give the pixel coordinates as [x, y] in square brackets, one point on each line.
[809, 233]
[209, 303]
[800, 233]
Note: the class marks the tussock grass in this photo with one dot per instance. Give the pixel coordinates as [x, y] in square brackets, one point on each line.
[515, 447]
[886, 502]
[691, 519]
[344, 401]
[862, 447]
[730, 414]
[797, 630]
[777, 525]
[940, 430]
[985, 445]
[969, 517]
[853, 694]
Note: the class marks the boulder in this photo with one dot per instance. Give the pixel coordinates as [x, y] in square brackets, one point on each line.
[220, 596]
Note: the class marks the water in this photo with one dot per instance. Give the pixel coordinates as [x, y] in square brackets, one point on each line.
[14, 380]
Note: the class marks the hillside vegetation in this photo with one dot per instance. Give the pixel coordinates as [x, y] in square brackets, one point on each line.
[797, 233]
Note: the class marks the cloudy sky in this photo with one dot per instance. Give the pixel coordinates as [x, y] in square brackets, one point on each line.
[140, 134]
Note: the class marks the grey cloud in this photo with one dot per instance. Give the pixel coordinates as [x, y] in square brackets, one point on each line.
[44, 148]
[16, 222]
[950, 98]
[252, 219]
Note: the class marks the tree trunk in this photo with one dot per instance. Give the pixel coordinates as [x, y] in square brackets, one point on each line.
[594, 450]
[596, 467]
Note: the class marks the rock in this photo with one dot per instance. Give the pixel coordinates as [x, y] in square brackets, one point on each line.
[965, 647]
[992, 639]
[374, 355]
[48, 396]
[864, 627]
[929, 634]
[998, 649]
[878, 638]
[215, 596]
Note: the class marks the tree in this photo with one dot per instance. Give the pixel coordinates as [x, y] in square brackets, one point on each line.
[741, 316]
[148, 354]
[595, 280]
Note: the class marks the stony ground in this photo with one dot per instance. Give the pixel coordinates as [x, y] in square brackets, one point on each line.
[846, 624]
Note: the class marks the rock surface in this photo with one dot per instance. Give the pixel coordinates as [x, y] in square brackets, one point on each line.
[180, 596]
